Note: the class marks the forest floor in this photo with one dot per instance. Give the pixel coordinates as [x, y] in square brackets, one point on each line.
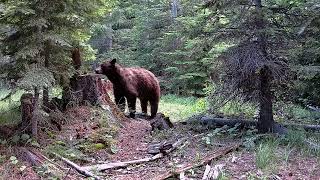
[87, 141]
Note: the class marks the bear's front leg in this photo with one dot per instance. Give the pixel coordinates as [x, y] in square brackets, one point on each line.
[132, 106]
[120, 101]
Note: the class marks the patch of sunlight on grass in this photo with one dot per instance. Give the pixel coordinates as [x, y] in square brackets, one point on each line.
[179, 108]
[295, 113]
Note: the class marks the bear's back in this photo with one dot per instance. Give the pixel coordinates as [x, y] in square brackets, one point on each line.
[142, 80]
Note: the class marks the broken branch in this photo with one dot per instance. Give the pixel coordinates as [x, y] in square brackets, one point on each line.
[206, 160]
[103, 167]
[78, 168]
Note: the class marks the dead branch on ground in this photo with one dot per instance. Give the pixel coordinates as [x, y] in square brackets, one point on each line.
[103, 167]
[29, 156]
[78, 168]
[206, 160]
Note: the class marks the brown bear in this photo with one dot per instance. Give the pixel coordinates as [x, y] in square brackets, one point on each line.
[130, 84]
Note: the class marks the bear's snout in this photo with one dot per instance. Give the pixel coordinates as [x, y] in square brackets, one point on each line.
[98, 70]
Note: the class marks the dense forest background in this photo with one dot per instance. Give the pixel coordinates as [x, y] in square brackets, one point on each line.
[181, 41]
[260, 52]
[215, 49]
[236, 76]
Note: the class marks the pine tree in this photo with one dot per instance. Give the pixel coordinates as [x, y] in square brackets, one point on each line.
[260, 33]
[38, 36]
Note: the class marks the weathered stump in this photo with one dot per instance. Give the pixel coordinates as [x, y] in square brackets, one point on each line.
[27, 110]
[90, 89]
[161, 122]
[83, 89]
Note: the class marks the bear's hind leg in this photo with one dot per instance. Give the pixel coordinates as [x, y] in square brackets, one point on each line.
[144, 106]
[132, 106]
[154, 108]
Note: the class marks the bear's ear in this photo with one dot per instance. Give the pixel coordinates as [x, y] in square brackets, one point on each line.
[113, 61]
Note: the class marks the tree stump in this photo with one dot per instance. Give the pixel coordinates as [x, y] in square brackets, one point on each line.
[82, 89]
[161, 122]
[27, 109]
[90, 89]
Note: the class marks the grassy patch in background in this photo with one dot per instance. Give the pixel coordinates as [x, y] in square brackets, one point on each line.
[9, 109]
[179, 108]
[289, 112]
[237, 108]
[9, 117]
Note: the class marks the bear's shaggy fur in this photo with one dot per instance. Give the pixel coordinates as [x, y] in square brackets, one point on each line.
[130, 84]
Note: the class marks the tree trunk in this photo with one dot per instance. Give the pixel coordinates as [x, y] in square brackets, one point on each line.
[45, 98]
[174, 8]
[34, 120]
[266, 121]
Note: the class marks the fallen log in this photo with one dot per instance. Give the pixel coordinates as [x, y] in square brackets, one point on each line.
[78, 168]
[281, 129]
[206, 160]
[103, 167]
[29, 156]
[218, 122]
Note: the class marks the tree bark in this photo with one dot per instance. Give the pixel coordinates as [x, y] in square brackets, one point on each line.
[82, 89]
[45, 98]
[34, 120]
[266, 121]
[174, 8]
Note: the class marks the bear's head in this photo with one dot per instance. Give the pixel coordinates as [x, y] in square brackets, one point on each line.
[110, 69]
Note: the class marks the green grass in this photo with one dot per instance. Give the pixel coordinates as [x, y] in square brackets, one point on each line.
[9, 109]
[288, 112]
[265, 153]
[178, 108]
[10, 117]
[236, 108]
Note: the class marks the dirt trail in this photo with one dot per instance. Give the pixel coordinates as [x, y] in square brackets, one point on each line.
[133, 139]
[131, 142]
